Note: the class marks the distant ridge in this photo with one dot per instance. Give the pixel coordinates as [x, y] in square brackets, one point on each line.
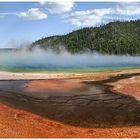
[113, 38]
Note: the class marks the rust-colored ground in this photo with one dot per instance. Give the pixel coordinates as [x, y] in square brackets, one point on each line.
[19, 122]
[16, 123]
[130, 87]
[52, 85]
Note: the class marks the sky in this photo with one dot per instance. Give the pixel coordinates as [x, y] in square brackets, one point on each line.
[29, 21]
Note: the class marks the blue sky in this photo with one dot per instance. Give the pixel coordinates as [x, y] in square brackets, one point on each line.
[29, 21]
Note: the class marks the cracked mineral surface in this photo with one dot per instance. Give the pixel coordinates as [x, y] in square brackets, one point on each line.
[81, 103]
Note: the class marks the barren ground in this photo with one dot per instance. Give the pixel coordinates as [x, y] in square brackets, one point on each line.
[96, 105]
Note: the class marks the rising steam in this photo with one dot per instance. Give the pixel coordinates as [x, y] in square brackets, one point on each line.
[39, 58]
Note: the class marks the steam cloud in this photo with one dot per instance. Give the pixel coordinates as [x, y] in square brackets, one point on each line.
[39, 58]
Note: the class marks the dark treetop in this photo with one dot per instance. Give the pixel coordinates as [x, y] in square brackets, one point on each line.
[113, 38]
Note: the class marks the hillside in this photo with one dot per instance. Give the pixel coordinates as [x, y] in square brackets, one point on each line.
[112, 38]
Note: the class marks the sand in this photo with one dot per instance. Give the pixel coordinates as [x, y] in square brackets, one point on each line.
[93, 105]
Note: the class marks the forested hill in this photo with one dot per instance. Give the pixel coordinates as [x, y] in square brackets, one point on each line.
[112, 38]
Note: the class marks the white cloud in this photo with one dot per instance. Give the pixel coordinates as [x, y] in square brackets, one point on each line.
[33, 14]
[128, 8]
[87, 18]
[123, 12]
[58, 7]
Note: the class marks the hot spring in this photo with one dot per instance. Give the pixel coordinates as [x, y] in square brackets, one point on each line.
[39, 59]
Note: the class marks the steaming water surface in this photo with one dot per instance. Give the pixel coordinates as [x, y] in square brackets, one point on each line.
[40, 59]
